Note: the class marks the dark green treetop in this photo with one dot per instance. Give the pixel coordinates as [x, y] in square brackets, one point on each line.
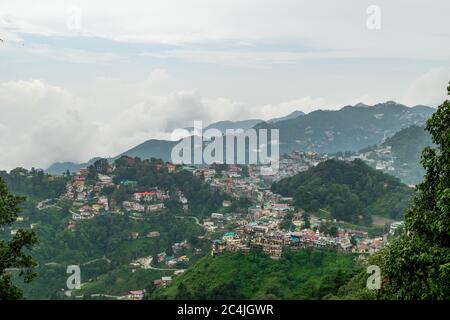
[12, 255]
[417, 265]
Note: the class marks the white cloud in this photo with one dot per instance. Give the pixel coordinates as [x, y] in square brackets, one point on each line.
[328, 26]
[428, 88]
[73, 55]
[42, 123]
[78, 56]
[246, 58]
[306, 104]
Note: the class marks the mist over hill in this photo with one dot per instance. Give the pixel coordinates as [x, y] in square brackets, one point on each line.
[351, 128]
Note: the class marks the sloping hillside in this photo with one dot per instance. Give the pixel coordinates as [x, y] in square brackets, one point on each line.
[305, 274]
[350, 191]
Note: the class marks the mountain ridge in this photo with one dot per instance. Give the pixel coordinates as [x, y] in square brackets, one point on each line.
[350, 128]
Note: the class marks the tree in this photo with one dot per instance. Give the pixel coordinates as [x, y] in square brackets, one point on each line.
[12, 255]
[245, 172]
[183, 292]
[306, 221]
[286, 223]
[333, 231]
[417, 265]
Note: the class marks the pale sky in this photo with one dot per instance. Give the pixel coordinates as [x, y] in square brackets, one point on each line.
[80, 79]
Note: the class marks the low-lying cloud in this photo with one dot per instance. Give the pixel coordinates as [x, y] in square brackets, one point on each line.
[42, 122]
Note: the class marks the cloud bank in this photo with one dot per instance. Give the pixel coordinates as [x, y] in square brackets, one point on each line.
[42, 123]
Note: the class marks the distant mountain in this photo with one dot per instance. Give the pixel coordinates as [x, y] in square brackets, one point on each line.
[59, 168]
[349, 191]
[292, 115]
[351, 128]
[244, 124]
[159, 149]
[348, 129]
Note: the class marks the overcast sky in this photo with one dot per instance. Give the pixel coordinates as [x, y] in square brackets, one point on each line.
[80, 79]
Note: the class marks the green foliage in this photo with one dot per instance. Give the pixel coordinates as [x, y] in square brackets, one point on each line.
[245, 172]
[13, 253]
[286, 223]
[417, 265]
[306, 221]
[240, 205]
[329, 229]
[103, 239]
[304, 274]
[352, 191]
[34, 183]
[100, 166]
[202, 200]
[103, 247]
[120, 280]
[355, 289]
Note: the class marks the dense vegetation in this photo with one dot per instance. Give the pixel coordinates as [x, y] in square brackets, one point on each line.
[103, 247]
[34, 184]
[350, 191]
[304, 274]
[417, 265]
[14, 254]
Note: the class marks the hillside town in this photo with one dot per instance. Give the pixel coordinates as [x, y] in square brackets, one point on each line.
[88, 200]
[252, 218]
[258, 227]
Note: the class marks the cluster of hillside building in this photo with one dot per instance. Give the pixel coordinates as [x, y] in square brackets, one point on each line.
[264, 234]
[380, 158]
[259, 227]
[88, 201]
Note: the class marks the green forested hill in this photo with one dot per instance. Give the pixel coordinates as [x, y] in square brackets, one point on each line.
[103, 249]
[351, 191]
[407, 144]
[33, 184]
[304, 274]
